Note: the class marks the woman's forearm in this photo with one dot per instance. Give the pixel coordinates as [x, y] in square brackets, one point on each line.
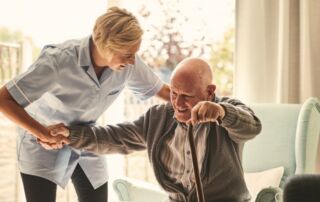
[13, 111]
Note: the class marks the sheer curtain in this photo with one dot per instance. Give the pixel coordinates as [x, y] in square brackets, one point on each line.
[277, 50]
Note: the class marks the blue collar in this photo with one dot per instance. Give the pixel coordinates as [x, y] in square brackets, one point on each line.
[84, 60]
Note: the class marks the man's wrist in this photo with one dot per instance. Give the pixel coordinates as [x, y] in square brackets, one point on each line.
[222, 112]
[75, 133]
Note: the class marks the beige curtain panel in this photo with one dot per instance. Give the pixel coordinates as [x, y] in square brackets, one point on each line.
[277, 50]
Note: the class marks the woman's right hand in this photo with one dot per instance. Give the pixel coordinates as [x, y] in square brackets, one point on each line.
[54, 137]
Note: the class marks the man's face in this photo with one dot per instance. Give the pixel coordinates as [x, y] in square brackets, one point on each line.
[184, 96]
[123, 58]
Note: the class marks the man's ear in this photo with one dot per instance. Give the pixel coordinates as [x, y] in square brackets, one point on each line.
[211, 89]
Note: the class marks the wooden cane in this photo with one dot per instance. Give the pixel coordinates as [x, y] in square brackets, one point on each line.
[196, 171]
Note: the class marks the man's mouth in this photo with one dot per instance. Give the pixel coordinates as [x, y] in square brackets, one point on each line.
[182, 110]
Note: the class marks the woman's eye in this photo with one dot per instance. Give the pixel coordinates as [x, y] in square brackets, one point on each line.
[128, 56]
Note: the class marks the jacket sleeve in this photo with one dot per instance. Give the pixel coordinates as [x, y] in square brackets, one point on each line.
[121, 138]
[239, 120]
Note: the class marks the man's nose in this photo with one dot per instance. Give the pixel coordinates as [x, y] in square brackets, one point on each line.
[179, 100]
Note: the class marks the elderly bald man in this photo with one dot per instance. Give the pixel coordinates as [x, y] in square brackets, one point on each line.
[162, 130]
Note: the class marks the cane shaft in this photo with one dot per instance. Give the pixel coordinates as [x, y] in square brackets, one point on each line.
[195, 165]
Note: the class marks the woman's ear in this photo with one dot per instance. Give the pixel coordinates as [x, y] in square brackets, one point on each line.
[211, 89]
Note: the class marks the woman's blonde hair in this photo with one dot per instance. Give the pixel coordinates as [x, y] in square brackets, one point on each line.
[116, 30]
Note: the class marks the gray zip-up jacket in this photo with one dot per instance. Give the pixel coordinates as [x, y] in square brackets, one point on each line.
[221, 173]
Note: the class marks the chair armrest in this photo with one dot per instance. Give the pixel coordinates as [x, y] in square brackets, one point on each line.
[307, 137]
[270, 194]
[133, 190]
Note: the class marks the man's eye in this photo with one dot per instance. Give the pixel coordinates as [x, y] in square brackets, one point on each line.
[128, 56]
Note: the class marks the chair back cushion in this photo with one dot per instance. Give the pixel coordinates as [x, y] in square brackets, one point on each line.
[275, 145]
[289, 138]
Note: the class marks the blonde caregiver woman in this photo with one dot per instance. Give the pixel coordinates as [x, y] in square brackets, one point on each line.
[74, 83]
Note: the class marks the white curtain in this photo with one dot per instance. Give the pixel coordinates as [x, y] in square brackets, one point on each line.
[277, 50]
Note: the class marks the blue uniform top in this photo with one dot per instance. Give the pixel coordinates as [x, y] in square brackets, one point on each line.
[62, 87]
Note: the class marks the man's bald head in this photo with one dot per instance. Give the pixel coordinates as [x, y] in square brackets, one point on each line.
[191, 82]
[193, 70]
